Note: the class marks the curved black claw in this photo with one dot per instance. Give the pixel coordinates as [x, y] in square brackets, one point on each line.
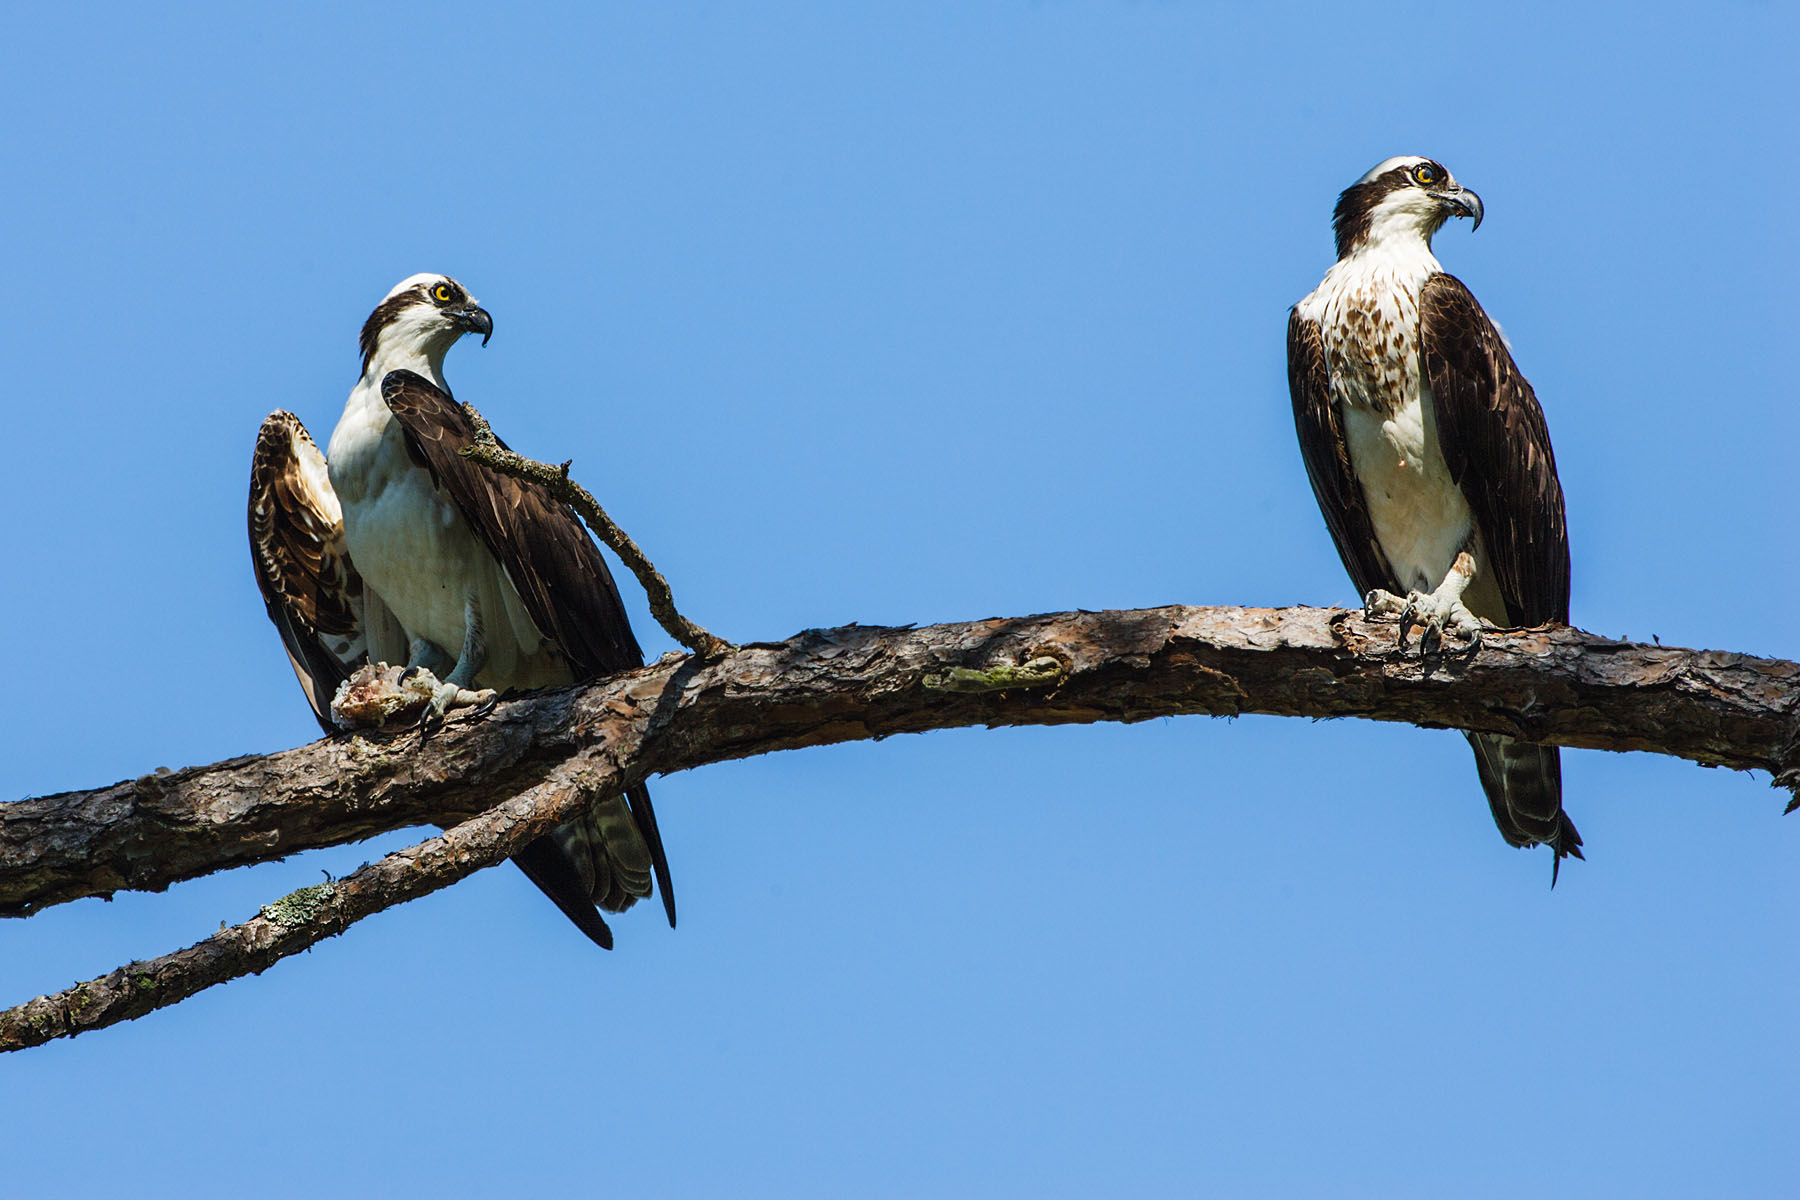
[430, 721]
[1407, 616]
[1431, 642]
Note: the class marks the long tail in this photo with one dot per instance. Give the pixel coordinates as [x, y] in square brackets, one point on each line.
[1523, 782]
[604, 860]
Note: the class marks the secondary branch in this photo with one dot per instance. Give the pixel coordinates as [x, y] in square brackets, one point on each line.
[300, 919]
[488, 451]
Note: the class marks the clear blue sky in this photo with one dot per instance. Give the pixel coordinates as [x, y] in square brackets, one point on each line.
[915, 313]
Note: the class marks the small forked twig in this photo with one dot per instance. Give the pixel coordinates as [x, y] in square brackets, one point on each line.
[489, 452]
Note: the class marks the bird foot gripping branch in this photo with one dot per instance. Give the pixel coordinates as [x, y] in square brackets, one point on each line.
[1439, 612]
[389, 698]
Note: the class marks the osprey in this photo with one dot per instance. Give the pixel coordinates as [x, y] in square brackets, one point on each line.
[1429, 455]
[398, 549]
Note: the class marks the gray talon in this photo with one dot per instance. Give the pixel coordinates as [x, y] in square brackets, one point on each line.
[1437, 612]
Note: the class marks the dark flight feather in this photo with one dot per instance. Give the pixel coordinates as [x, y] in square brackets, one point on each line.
[1497, 446]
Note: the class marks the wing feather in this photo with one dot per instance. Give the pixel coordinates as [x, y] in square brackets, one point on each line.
[538, 540]
[1327, 457]
[1497, 446]
[309, 585]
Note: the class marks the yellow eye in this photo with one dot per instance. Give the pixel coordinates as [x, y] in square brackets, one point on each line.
[1424, 175]
[441, 293]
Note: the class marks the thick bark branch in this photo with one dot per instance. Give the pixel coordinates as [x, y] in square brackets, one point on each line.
[1553, 685]
[534, 762]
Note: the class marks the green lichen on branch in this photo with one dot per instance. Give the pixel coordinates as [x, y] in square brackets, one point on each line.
[1039, 672]
[301, 907]
[490, 453]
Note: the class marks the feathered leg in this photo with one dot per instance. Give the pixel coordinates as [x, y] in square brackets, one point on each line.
[455, 690]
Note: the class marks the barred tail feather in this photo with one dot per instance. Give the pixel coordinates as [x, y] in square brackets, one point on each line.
[608, 859]
[1523, 782]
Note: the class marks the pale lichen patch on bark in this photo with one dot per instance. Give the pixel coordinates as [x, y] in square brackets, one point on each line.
[300, 907]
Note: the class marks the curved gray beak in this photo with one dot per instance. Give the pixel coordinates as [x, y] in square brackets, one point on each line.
[1463, 203]
[474, 319]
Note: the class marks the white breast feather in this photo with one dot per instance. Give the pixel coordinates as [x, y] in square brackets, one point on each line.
[1367, 309]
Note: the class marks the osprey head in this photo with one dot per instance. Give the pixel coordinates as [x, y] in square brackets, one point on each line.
[424, 315]
[1402, 197]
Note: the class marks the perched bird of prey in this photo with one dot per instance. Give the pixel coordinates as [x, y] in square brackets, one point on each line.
[399, 550]
[1429, 455]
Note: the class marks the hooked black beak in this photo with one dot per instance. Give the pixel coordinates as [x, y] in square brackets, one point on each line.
[1463, 203]
[474, 319]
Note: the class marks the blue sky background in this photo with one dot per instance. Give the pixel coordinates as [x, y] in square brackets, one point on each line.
[914, 313]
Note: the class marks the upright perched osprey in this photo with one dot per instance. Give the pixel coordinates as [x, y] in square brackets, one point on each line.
[401, 550]
[1429, 456]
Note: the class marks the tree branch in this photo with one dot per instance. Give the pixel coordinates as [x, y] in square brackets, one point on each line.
[1555, 685]
[488, 451]
[534, 762]
[310, 915]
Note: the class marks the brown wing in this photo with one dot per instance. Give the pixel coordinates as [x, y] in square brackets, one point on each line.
[1497, 446]
[539, 541]
[572, 599]
[310, 587]
[1327, 457]
[1498, 449]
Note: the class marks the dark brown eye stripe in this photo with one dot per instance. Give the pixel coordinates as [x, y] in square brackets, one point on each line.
[388, 310]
